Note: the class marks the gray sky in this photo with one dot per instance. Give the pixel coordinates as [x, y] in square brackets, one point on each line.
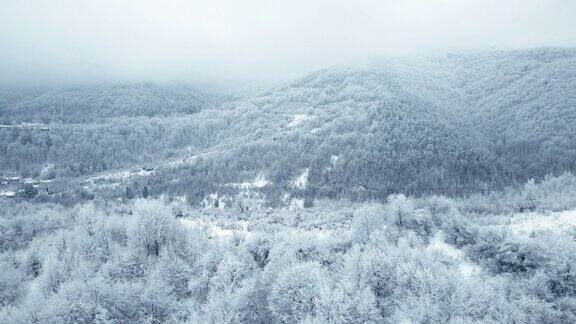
[76, 41]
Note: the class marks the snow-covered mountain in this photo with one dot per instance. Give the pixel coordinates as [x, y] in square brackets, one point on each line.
[452, 124]
[525, 102]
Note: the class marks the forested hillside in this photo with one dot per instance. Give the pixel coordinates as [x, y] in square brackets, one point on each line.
[525, 102]
[79, 131]
[454, 124]
[359, 130]
[95, 103]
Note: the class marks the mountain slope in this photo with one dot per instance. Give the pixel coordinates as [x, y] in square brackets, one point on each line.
[525, 102]
[384, 136]
[454, 124]
[95, 103]
[84, 130]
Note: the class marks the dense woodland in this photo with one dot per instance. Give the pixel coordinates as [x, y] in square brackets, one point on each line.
[89, 104]
[433, 259]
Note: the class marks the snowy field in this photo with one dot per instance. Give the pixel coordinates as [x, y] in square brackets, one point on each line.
[556, 222]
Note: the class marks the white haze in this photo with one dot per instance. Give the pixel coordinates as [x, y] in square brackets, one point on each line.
[79, 41]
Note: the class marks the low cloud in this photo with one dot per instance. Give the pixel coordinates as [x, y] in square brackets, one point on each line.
[78, 41]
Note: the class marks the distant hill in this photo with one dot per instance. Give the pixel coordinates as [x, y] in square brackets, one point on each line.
[360, 130]
[525, 102]
[95, 103]
[91, 129]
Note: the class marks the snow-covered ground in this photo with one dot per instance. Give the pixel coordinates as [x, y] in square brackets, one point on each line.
[26, 125]
[187, 160]
[522, 224]
[557, 222]
[215, 231]
[439, 245]
[118, 176]
[114, 176]
[214, 200]
[259, 182]
[301, 182]
[299, 119]
[7, 194]
[334, 160]
[295, 203]
[35, 181]
[242, 228]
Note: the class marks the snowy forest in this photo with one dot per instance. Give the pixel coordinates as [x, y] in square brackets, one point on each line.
[437, 189]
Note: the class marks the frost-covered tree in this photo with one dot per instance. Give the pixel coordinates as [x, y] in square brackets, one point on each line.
[295, 294]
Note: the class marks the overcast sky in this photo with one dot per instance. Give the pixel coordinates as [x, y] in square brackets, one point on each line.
[71, 41]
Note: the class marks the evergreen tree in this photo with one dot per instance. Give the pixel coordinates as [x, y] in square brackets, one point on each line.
[28, 191]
